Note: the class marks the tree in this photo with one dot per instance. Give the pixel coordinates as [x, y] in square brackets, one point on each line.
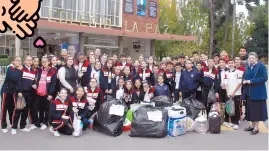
[258, 42]
[195, 22]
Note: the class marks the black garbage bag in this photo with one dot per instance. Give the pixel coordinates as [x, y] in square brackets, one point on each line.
[107, 120]
[193, 107]
[149, 121]
[162, 101]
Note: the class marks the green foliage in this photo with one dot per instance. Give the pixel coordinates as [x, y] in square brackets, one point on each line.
[240, 36]
[5, 61]
[259, 41]
[195, 23]
[3, 56]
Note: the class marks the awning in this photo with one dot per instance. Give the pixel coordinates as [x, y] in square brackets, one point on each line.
[44, 24]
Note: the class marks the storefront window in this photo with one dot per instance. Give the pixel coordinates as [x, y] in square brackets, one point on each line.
[98, 11]
[7, 44]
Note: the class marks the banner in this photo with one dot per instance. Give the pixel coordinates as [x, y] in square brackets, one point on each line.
[141, 7]
[152, 9]
[128, 6]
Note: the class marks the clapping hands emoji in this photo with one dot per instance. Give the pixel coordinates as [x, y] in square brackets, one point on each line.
[20, 16]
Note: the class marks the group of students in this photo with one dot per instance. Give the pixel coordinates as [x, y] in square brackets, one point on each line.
[57, 89]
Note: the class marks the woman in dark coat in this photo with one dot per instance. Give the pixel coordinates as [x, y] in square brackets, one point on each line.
[254, 81]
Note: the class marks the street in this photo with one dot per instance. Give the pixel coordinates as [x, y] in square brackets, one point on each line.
[228, 139]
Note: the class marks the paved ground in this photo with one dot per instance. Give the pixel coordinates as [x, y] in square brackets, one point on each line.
[43, 140]
[227, 140]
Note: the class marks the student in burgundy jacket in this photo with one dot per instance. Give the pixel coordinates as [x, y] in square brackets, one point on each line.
[145, 74]
[41, 104]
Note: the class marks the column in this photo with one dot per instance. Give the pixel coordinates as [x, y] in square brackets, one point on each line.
[33, 49]
[120, 41]
[18, 47]
[82, 38]
[152, 47]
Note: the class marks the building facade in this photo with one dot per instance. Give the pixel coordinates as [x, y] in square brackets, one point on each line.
[114, 26]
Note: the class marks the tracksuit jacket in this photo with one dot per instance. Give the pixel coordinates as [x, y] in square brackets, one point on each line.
[51, 80]
[82, 106]
[104, 80]
[28, 79]
[169, 79]
[149, 76]
[97, 95]
[189, 81]
[86, 66]
[210, 78]
[161, 90]
[12, 81]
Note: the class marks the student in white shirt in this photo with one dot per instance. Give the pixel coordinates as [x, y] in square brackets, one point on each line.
[233, 83]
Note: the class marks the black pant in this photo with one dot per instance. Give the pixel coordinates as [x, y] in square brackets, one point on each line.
[7, 104]
[40, 104]
[176, 95]
[205, 91]
[23, 113]
[186, 95]
[223, 95]
[62, 126]
[199, 96]
[234, 119]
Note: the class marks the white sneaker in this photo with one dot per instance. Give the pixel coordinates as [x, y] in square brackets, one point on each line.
[32, 127]
[235, 127]
[227, 124]
[51, 129]
[13, 131]
[43, 127]
[25, 130]
[4, 131]
[231, 125]
[56, 133]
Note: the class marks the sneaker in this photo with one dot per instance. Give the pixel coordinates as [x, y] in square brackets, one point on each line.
[4, 131]
[51, 129]
[25, 130]
[227, 124]
[231, 125]
[56, 133]
[235, 127]
[43, 127]
[32, 127]
[13, 131]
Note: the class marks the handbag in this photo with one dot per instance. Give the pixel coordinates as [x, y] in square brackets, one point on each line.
[20, 104]
[211, 98]
[230, 107]
[77, 126]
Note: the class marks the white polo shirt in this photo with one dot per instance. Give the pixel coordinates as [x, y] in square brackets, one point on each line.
[232, 79]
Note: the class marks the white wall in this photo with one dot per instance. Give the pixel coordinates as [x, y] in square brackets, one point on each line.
[128, 47]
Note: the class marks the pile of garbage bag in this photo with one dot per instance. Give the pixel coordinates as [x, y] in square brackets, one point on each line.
[193, 107]
[110, 117]
[162, 101]
[149, 121]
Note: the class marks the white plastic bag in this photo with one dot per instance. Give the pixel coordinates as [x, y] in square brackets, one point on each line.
[190, 124]
[201, 125]
[77, 126]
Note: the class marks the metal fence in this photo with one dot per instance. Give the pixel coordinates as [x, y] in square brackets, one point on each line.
[3, 70]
